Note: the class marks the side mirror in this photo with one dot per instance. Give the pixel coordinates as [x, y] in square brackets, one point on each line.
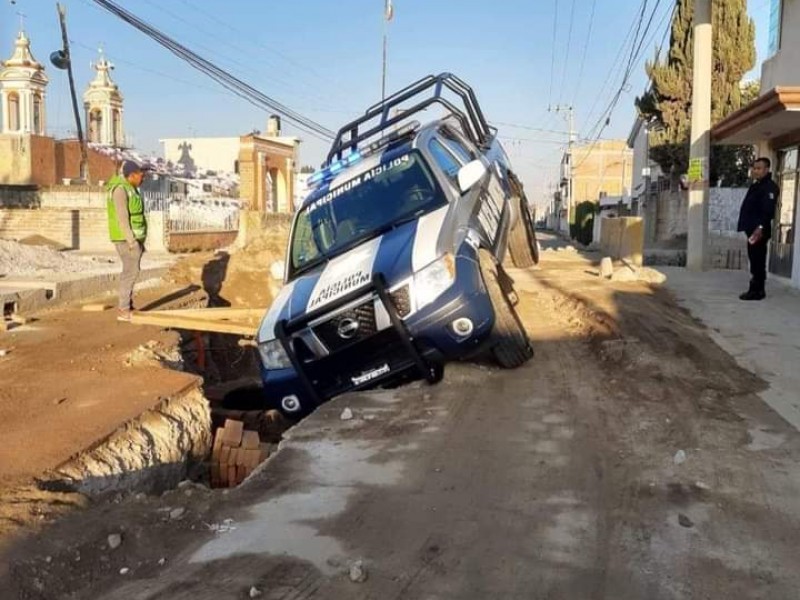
[470, 174]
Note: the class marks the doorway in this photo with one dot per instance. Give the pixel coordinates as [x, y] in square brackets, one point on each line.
[781, 248]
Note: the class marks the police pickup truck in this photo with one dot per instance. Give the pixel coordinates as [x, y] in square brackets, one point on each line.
[394, 264]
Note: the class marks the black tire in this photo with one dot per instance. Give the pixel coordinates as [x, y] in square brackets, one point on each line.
[522, 246]
[509, 344]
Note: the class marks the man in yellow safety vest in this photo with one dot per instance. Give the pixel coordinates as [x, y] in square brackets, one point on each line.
[127, 229]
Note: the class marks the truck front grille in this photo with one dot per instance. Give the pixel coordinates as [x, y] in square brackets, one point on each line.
[348, 327]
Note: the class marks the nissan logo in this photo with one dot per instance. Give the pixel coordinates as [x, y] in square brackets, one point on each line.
[347, 328]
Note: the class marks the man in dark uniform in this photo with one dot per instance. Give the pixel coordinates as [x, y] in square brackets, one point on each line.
[755, 219]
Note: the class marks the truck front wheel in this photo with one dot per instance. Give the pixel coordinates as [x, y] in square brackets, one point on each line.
[508, 341]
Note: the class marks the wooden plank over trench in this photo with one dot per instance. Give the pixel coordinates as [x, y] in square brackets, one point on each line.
[235, 321]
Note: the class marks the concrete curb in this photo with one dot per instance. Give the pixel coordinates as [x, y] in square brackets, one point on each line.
[29, 295]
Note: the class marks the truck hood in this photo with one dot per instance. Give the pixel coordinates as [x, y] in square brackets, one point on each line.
[397, 254]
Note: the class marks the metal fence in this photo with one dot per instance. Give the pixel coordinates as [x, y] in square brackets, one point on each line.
[195, 214]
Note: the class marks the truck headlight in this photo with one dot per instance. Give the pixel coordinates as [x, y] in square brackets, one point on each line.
[433, 280]
[273, 356]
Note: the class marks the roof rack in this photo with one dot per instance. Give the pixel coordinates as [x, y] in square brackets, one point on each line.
[470, 117]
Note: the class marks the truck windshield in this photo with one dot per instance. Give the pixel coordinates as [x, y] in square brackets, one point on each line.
[399, 189]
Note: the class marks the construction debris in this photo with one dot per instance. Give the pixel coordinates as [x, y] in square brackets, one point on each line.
[236, 453]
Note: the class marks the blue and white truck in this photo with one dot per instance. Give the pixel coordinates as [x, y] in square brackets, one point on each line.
[394, 264]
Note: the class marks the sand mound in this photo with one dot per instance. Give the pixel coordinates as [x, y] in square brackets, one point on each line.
[25, 259]
[237, 278]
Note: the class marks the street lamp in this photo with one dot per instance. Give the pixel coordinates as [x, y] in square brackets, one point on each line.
[61, 60]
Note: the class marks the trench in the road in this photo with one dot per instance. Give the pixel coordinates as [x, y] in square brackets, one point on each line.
[172, 441]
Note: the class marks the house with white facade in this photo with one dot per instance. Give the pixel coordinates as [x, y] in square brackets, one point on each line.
[772, 123]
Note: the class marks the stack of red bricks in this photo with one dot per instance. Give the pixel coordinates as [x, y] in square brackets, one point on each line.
[236, 453]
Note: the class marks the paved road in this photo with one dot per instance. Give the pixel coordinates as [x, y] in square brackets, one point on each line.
[554, 481]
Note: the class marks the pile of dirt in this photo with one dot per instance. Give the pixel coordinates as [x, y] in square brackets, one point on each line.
[239, 278]
[249, 281]
[26, 259]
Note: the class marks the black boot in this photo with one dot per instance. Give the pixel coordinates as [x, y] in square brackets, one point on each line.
[756, 292]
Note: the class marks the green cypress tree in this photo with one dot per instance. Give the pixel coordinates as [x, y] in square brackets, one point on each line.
[667, 104]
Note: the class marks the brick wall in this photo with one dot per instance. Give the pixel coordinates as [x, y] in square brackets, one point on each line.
[55, 224]
[728, 251]
[86, 229]
[43, 168]
[26, 160]
[68, 162]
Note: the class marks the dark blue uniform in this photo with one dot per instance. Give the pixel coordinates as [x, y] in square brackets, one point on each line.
[758, 210]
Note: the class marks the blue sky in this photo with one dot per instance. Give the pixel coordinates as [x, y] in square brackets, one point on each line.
[323, 59]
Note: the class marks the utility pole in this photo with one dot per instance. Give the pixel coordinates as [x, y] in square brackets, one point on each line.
[63, 60]
[388, 14]
[696, 252]
[570, 113]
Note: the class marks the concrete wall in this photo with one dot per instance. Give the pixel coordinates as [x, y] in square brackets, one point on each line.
[75, 217]
[670, 212]
[193, 241]
[215, 154]
[782, 68]
[640, 162]
[723, 208]
[622, 238]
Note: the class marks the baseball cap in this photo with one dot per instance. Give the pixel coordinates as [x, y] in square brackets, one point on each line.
[131, 166]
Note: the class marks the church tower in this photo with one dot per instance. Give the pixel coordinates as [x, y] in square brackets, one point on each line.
[103, 104]
[22, 91]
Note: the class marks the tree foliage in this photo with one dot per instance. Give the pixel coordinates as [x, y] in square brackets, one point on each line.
[667, 104]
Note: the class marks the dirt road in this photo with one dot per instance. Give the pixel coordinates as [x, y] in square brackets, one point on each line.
[630, 459]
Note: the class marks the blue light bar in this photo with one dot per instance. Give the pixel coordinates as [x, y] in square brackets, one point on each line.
[334, 168]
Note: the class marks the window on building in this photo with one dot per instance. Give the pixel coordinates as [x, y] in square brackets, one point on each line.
[775, 21]
[38, 124]
[95, 126]
[13, 112]
[116, 128]
[207, 187]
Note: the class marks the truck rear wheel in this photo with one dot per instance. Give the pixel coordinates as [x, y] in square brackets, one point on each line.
[509, 340]
[522, 244]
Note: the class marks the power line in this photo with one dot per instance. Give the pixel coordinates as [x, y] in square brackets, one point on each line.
[196, 7]
[585, 48]
[566, 55]
[553, 53]
[636, 46]
[529, 127]
[237, 86]
[615, 65]
[634, 58]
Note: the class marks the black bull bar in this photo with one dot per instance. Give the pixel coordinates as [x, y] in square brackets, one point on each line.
[286, 328]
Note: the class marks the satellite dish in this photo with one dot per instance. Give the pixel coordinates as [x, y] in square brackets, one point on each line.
[59, 59]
